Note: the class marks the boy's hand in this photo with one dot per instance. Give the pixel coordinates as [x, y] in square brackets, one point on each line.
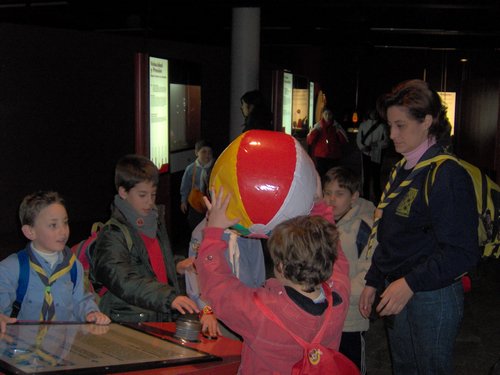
[95, 329]
[184, 304]
[217, 210]
[186, 265]
[98, 317]
[366, 301]
[4, 320]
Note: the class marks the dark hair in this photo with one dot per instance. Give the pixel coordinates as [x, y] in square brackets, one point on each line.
[420, 100]
[133, 169]
[254, 98]
[33, 203]
[345, 177]
[326, 108]
[200, 144]
[260, 117]
[304, 248]
[372, 115]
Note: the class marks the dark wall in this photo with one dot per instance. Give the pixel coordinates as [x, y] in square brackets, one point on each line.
[378, 69]
[67, 115]
[67, 105]
[477, 136]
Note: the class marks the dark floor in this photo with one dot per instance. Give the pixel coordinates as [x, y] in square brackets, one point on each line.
[478, 344]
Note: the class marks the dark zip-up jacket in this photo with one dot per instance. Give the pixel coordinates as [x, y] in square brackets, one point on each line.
[134, 293]
[432, 245]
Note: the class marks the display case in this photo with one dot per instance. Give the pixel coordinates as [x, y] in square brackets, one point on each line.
[294, 103]
[168, 110]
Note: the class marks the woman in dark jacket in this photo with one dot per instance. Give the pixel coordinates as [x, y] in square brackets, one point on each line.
[423, 248]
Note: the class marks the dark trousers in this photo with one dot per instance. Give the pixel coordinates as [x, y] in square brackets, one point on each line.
[352, 346]
[371, 177]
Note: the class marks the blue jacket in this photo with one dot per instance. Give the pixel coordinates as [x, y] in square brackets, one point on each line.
[429, 245]
[251, 267]
[71, 302]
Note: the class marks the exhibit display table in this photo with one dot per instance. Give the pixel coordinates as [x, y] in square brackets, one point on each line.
[227, 349]
[142, 348]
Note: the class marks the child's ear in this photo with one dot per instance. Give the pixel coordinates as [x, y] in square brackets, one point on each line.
[279, 268]
[122, 192]
[28, 232]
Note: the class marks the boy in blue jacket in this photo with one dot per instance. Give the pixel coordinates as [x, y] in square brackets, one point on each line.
[51, 294]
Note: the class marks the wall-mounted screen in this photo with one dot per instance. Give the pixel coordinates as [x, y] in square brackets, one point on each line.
[300, 106]
[310, 118]
[158, 111]
[287, 102]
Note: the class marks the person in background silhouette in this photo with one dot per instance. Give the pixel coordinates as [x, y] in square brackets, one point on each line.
[256, 112]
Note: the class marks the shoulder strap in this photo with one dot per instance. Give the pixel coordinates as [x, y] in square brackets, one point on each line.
[24, 278]
[84, 244]
[73, 272]
[431, 175]
[271, 316]
[22, 284]
[123, 228]
[371, 130]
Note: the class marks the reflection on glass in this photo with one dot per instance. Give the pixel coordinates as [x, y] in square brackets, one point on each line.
[185, 116]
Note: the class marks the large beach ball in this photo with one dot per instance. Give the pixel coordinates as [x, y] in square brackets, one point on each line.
[271, 178]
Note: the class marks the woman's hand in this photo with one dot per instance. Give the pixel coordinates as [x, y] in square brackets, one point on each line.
[394, 298]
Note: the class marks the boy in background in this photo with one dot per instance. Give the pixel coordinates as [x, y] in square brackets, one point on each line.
[304, 251]
[196, 176]
[354, 218]
[51, 294]
[140, 277]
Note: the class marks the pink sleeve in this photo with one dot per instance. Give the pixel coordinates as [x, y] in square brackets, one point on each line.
[320, 208]
[229, 297]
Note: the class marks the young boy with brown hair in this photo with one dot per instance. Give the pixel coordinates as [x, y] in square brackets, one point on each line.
[304, 251]
[54, 290]
[353, 217]
[140, 276]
